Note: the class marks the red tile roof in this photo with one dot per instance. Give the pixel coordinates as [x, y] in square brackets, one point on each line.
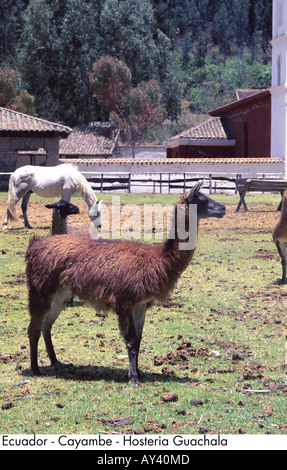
[259, 96]
[212, 129]
[168, 161]
[95, 139]
[242, 94]
[13, 121]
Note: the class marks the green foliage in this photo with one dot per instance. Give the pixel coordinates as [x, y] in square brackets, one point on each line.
[175, 42]
[132, 108]
[111, 78]
[213, 84]
[11, 93]
[10, 82]
[127, 33]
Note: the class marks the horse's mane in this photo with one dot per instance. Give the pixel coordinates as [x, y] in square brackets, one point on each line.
[84, 188]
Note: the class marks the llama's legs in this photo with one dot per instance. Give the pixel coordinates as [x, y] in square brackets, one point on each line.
[34, 333]
[131, 326]
[43, 315]
[139, 319]
[38, 306]
[281, 247]
[24, 206]
[58, 303]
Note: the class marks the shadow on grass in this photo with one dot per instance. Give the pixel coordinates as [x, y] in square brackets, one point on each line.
[97, 373]
[26, 231]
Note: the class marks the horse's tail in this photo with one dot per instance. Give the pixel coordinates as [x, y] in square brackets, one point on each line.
[11, 200]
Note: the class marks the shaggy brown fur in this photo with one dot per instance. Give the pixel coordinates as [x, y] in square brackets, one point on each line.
[124, 276]
[279, 234]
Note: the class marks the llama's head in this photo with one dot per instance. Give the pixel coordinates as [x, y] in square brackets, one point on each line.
[64, 208]
[206, 207]
[95, 214]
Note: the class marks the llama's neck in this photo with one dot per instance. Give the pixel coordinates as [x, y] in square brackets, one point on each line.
[283, 215]
[59, 224]
[180, 245]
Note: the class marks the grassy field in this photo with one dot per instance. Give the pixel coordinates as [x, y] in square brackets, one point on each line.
[223, 332]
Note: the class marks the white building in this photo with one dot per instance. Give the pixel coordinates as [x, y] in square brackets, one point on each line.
[279, 82]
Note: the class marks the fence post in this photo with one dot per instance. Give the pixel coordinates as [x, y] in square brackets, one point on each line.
[160, 183]
[129, 182]
[210, 183]
[184, 182]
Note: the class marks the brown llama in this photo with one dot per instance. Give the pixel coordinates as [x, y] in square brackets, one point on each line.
[279, 234]
[124, 276]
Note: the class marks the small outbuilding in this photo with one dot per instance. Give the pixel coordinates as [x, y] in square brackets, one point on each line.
[23, 137]
[241, 129]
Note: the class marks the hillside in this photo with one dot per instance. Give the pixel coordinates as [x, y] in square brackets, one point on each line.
[199, 51]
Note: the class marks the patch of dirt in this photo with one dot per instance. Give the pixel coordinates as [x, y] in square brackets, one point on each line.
[5, 358]
[182, 355]
[268, 255]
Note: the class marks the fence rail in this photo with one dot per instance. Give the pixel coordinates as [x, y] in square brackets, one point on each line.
[155, 182]
[163, 182]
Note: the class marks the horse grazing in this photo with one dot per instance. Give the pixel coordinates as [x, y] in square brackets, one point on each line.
[58, 181]
[279, 234]
[124, 276]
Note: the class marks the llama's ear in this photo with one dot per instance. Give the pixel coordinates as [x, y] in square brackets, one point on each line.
[194, 191]
[50, 206]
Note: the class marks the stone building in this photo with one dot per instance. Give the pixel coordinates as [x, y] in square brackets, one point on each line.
[22, 134]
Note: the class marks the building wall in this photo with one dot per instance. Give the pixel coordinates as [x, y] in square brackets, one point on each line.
[250, 122]
[245, 167]
[251, 126]
[200, 151]
[9, 147]
[279, 81]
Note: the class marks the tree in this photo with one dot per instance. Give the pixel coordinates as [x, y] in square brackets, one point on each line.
[111, 79]
[132, 109]
[12, 95]
[39, 57]
[128, 30]
[10, 28]
[240, 22]
[79, 47]
[172, 93]
[222, 31]
[60, 43]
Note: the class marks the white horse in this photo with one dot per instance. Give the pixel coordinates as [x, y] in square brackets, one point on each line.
[58, 181]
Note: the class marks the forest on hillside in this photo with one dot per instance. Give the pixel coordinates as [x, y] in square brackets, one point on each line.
[198, 52]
